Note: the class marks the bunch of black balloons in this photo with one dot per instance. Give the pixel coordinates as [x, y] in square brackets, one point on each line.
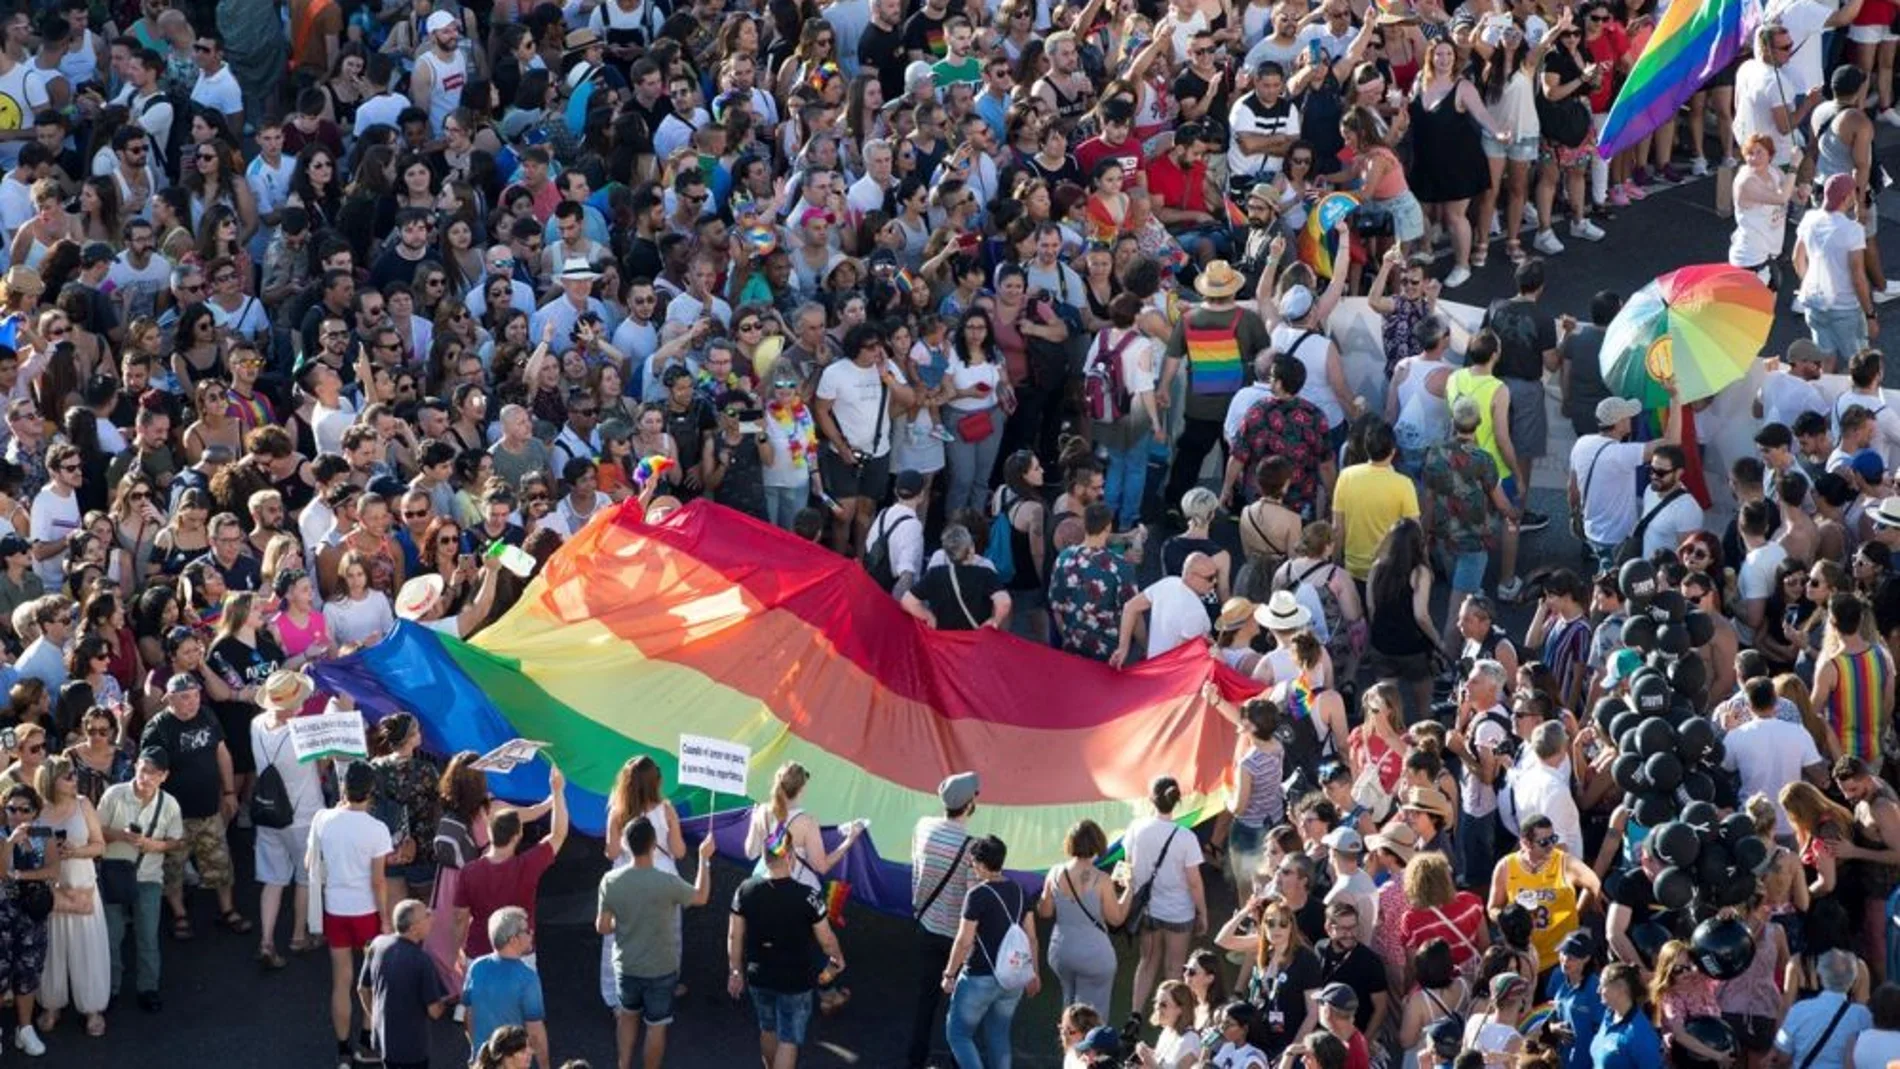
[1669, 765]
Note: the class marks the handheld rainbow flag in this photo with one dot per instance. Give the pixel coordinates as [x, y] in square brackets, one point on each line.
[1319, 244]
[1692, 43]
[715, 623]
[650, 469]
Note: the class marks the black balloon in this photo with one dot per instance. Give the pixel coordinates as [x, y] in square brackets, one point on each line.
[1700, 815]
[1713, 1033]
[1656, 736]
[1663, 770]
[1723, 948]
[1694, 737]
[1625, 723]
[1735, 828]
[1689, 676]
[1701, 628]
[1673, 638]
[1673, 887]
[1606, 711]
[1624, 771]
[1750, 854]
[1651, 809]
[1699, 786]
[1639, 633]
[1712, 865]
[1669, 604]
[1649, 938]
[1626, 741]
[1637, 580]
[1675, 843]
[1650, 694]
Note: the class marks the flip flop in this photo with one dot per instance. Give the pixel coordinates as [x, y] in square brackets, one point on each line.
[234, 921]
[181, 930]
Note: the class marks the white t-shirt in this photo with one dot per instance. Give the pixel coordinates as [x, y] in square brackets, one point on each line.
[380, 110]
[1177, 616]
[349, 841]
[1542, 789]
[54, 516]
[1250, 116]
[328, 424]
[1170, 900]
[153, 113]
[970, 376]
[219, 91]
[270, 185]
[1804, 20]
[25, 95]
[1669, 526]
[16, 204]
[1756, 581]
[1605, 470]
[271, 745]
[140, 285]
[1784, 396]
[353, 621]
[853, 392]
[1768, 755]
[1759, 90]
[865, 196]
[1241, 1056]
[1829, 237]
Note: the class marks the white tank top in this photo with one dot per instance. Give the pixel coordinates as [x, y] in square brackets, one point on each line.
[1760, 230]
[445, 90]
[662, 834]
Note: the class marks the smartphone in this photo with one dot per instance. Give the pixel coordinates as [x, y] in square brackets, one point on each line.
[968, 240]
[750, 427]
[1312, 49]
[465, 560]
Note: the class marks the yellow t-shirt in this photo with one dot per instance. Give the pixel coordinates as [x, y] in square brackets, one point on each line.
[1372, 497]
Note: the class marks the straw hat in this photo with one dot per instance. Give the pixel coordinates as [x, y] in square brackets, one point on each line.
[285, 689]
[418, 596]
[1233, 613]
[1218, 281]
[1283, 612]
[23, 279]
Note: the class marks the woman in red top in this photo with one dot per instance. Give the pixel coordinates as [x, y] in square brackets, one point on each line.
[1436, 909]
[1379, 742]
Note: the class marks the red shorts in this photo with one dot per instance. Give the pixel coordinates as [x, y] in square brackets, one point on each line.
[351, 933]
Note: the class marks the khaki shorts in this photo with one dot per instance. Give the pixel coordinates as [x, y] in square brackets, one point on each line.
[204, 844]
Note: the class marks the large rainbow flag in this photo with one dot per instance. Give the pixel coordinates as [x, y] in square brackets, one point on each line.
[711, 623]
[1692, 43]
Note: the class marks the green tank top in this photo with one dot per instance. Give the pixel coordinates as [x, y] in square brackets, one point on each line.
[1480, 388]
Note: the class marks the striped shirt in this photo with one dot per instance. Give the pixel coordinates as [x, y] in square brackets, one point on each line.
[1853, 706]
[934, 847]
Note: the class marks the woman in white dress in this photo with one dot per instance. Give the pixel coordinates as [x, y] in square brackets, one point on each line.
[638, 792]
[78, 957]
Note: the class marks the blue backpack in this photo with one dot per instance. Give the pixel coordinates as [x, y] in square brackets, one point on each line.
[1001, 551]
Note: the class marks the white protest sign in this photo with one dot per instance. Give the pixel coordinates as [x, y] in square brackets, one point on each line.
[339, 734]
[505, 757]
[715, 764]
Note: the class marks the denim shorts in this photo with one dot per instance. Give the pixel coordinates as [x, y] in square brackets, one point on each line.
[1519, 150]
[1467, 571]
[786, 1016]
[649, 996]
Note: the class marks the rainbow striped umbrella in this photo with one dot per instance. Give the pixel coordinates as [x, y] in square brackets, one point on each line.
[1702, 324]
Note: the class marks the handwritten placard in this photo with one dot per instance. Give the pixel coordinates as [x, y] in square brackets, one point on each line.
[337, 734]
[505, 757]
[715, 764]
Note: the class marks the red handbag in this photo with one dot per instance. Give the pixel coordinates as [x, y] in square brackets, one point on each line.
[976, 426]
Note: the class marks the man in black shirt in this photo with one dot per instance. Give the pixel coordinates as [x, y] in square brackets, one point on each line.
[649, 222]
[202, 781]
[776, 921]
[1203, 86]
[400, 984]
[1527, 346]
[881, 47]
[1343, 959]
[959, 594]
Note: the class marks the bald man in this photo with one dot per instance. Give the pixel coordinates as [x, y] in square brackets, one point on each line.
[1178, 615]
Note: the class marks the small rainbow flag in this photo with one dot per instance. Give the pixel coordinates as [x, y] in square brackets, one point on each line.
[1319, 245]
[1693, 43]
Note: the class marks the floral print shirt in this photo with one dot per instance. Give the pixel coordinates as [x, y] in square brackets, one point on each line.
[1460, 476]
[1294, 428]
[1087, 589]
[410, 786]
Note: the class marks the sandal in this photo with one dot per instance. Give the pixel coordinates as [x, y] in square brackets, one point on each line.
[235, 922]
[270, 958]
[47, 1021]
[1515, 251]
[181, 929]
[302, 945]
[1478, 255]
[95, 1026]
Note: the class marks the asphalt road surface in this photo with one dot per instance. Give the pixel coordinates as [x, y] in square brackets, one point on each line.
[221, 1009]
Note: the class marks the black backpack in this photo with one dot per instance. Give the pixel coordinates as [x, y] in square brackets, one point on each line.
[877, 555]
[1300, 741]
[177, 137]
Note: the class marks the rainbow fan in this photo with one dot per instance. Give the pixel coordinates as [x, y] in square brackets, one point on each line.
[1319, 245]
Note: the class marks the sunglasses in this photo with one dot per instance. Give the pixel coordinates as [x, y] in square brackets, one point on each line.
[20, 810]
[1545, 842]
[414, 515]
[786, 384]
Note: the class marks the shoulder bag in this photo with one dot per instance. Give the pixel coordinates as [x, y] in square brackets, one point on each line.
[1632, 547]
[1138, 902]
[941, 884]
[119, 877]
[956, 588]
[1077, 895]
[1807, 1060]
[1583, 496]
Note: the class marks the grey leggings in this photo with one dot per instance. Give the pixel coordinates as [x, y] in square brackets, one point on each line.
[970, 463]
[1083, 960]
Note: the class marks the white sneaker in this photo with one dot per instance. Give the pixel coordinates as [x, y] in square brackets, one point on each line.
[1530, 216]
[1890, 117]
[1699, 167]
[1546, 242]
[1585, 229]
[1458, 277]
[1888, 292]
[28, 1041]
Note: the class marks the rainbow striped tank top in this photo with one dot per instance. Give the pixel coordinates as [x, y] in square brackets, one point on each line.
[1853, 706]
[1213, 356]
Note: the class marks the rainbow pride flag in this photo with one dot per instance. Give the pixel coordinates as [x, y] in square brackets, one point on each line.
[1692, 43]
[712, 623]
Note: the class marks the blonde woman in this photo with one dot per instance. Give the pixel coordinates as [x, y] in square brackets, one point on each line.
[784, 816]
[1819, 823]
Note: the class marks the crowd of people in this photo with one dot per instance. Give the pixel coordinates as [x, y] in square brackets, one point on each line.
[321, 315]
